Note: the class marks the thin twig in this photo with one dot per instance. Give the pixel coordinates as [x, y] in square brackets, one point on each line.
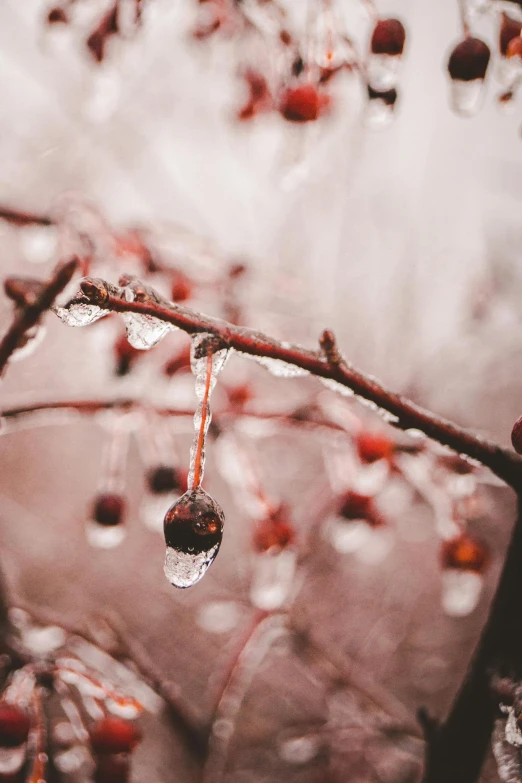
[403, 413]
[29, 316]
[18, 218]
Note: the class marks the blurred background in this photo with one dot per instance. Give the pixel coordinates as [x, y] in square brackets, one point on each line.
[405, 241]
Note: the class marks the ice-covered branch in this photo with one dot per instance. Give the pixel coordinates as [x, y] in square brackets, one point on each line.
[327, 364]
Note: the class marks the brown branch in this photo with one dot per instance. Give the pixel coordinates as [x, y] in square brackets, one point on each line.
[29, 316]
[17, 218]
[405, 414]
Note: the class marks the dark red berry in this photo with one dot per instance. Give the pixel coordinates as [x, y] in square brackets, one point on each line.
[356, 506]
[274, 532]
[14, 725]
[514, 48]
[57, 16]
[114, 735]
[112, 769]
[194, 524]
[516, 435]
[469, 60]
[388, 37]
[239, 395]
[464, 553]
[389, 97]
[302, 103]
[509, 29]
[125, 355]
[285, 37]
[181, 288]
[164, 479]
[109, 509]
[372, 446]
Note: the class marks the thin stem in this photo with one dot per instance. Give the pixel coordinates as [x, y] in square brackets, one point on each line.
[18, 218]
[327, 364]
[29, 316]
[464, 18]
[198, 472]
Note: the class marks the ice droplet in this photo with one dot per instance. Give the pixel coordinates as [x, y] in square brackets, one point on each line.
[11, 759]
[80, 313]
[380, 109]
[509, 766]
[73, 760]
[300, 750]
[208, 356]
[460, 591]
[337, 387]
[383, 71]
[272, 578]
[128, 709]
[348, 535]
[144, 331]
[33, 338]
[104, 536]
[219, 616]
[43, 640]
[512, 732]
[466, 96]
[193, 532]
[370, 479]
[278, 367]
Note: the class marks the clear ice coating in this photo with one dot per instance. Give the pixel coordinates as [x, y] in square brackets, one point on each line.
[208, 356]
[461, 591]
[80, 313]
[466, 96]
[507, 755]
[193, 530]
[272, 578]
[278, 367]
[104, 537]
[143, 331]
[11, 759]
[379, 113]
[383, 71]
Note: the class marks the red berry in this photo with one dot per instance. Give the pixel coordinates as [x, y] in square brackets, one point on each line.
[388, 37]
[194, 524]
[14, 725]
[181, 288]
[125, 354]
[57, 16]
[469, 60]
[516, 436]
[109, 509]
[114, 735]
[240, 395]
[515, 47]
[509, 29]
[276, 531]
[464, 553]
[356, 506]
[302, 103]
[373, 446]
[163, 479]
[112, 769]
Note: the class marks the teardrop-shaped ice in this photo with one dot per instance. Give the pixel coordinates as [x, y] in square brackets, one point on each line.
[466, 97]
[461, 591]
[143, 331]
[80, 313]
[193, 530]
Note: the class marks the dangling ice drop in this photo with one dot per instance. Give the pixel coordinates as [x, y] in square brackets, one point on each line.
[193, 530]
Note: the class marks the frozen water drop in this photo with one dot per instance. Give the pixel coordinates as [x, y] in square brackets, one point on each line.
[273, 578]
[104, 536]
[80, 313]
[11, 759]
[512, 732]
[43, 640]
[193, 530]
[380, 110]
[129, 709]
[219, 616]
[278, 367]
[461, 591]
[348, 535]
[466, 96]
[383, 71]
[144, 331]
[300, 750]
[370, 479]
[32, 339]
[73, 760]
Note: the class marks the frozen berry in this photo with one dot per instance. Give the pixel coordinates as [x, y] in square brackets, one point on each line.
[464, 553]
[109, 509]
[515, 48]
[372, 447]
[114, 735]
[194, 524]
[388, 37]
[469, 60]
[509, 29]
[516, 435]
[164, 479]
[302, 103]
[274, 532]
[14, 725]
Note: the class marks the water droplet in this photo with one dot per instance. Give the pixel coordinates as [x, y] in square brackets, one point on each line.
[193, 532]
[32, 339]
[80, 313]
[11, 759]
[273, 578]
[129, 709]
[73, 760]
[348, 535]
[466, 97]
[300, 750]
[144, 331]
[42, 641]
[219, 616]
[103, 536]
[383, 71]
[461, 591]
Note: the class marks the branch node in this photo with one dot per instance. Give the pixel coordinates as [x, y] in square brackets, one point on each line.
[328, 345]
